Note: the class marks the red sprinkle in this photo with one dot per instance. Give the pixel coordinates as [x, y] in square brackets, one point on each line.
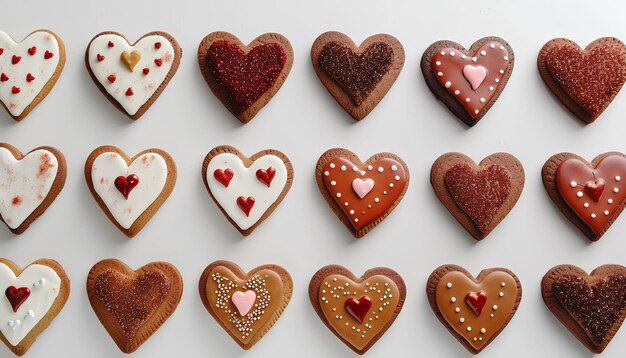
[4, 77]
[146, 71]
[1, 51]
[15, 59]
[29, 77]
[158, 61]
[15, 90]
[111, 44]
[16, 200]
[129, 91]
[100, 57]
[48, 55]
[32, 50]
[157, 45]
[111, 78]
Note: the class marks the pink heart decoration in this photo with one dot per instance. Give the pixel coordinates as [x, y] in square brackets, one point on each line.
[362, 187]
[244, 301]
[475, 75]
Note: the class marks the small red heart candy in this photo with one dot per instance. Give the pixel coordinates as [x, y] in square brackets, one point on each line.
[129, 91]
[224, 176]
[15, 59]
[245, 204]
[476, 301]
[4, 77]
[32, 50]
[158, 62]
[111, 44]
[17, 296]
[99, 57]
[146, 71]
[266, 175]
[358, 308]
[126, 184]
[157, 45]
[111, 78]
[15, 90]
[48, 55]
[29, 77]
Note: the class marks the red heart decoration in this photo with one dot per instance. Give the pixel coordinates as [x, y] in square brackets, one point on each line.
[126, 184]
[17, 296]
[358, 308]
[224, 176]
[245, 204]
[595, 188]
[4, 77]
[48, 55]
[30, 77]
[32, 50]
[266, 175]
[15, 59]
[476, 301]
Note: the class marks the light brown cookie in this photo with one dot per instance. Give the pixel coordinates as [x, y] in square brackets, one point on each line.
[132, 305]
[133, 76]
[481, 195]
[591, 306]
[244, 77]
[32, 298]
[245, 304]
[474, 310]
[28, 70]
[357, 76]
[361, 194]
[358, 310]
[30, 184]
[246, 189]
[130, 190]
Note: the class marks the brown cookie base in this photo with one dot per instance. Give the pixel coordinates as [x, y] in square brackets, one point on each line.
[447, 161]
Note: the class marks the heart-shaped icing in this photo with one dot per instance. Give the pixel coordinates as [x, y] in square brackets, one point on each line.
[243, 301]
[224, 176]
[362, 187]
[358, 308]
[113, 68]
[125, 184]
[475, 75]
[28, 70]
[16, 296]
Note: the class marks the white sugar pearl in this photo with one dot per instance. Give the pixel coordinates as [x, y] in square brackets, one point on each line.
[355, 168]
[616, 190]
[469, 328]
[439, 74]
[579, 194]
[618, 178]
[474, 59]
[339, 195]
[369, 167]
[462, 320]
[593, 216]
[467, 99]
[586, 205]
[457, 92]
[380, 169]
[497, 80]
[438, 63]
[343, 168]
[376, 200]
[476, 111]
[492, 46]
[495, 307]
[448, 84]
[501, 48]
[443, 53]
[573, 184]
[351, 212]
[610, 201]
[483, 52]
[332, 165]
[453, 299]
[506, 58]
[449, 285]
[397, 177]
[482, 100]
[452, 53]
[394, 167]
[491, 88]
[333, 183]
[482, 330]
[501, 72]
[606, 212]
[326, 173]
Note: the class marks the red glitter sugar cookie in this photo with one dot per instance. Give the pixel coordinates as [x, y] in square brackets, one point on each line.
[474, 310]
[470, 81]
[361, 194]
[590, 195]
[357, 76]
[244, 77]
[585, 80]
[358, 310]
[478, 196]
[245, 304]
[591, 306]
[132, 305]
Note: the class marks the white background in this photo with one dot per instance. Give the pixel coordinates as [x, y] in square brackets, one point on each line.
[303, 121]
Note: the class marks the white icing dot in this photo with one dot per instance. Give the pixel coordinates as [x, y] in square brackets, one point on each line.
[453, 299]
[356, 220]
[593, 216]
[457, 92]
[618, 178]
[503, 284]
[391, 185]
[333, 183]
[501, 294]
[457, 310]
[394, 167]
[443, 53]
[501, 48]
[469, 328]
[438, 63]
[332, 165]
[497, 80]
[362, 172]
[482, 330]
[610, 201]
[343, 168]
[579, 194]
[448, 84]
[355, 168]
[376, 200]
[506, 58]
[467, 99]
[369, 167]
[346, 203]
[462, 320]
[397, 177]
[492, 46]
[439, 74]
[449, 285]
[474, 59]
[616, 190]
[501, 72]
[606, 212]
[482, 99]
[385, 192]
[463, 56]
[586, 205]
[326, 173]
[476, 111]
[491, 88]
[495, 307]
[452, 53]
[573, 184]
[351, 212]
[380, 169]
[483, 52]
[339, 195]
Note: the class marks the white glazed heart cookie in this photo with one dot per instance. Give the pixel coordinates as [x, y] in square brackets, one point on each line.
[28, 70]
[28, 184]
[247, 190]
[130, 190]
[31, 299]
[132, 76]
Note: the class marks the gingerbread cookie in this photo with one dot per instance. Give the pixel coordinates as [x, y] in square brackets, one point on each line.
[132, 305]
[28, 184]
[470, 81]
[130, 190]
[245, 304]
[478, 196]
[245, 77]
[357, 76]
[32, 298]
[474, 310]
[591, 306]
[584, 80]
[358, 310]
[28, 70]
[246, 189]
[589, 194]
[132, 76]
[361, 194]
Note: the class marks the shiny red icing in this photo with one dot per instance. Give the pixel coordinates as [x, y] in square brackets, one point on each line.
[17, 296]
[15, 59]
[48, 55]
[30, 77]
[129, 91]
[476, 301]
[245, 204]
[111, 78]
[266, 175]
[223, 176]
[32, 50]
[1, 51]
[595, 188]
[126, 184]
[358, 308]
[4, 77]
[15, 90]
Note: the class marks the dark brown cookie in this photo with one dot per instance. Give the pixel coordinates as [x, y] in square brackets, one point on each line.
[470, 81]
[478, 196]
[585, 80]
[591, 306]
[589, 194]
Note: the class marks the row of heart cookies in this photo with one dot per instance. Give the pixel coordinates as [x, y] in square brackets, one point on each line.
[133, 304]
[246, 77]
[247, 189]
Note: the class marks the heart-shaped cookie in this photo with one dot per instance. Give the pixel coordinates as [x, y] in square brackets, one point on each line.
[245, 77]
[246, 305]
[590, 195]
[470, 81]
[358, 310]
[247, 190]
[478, 196]
[591, 306]
[361, 194]
[130, 190]
[28, 70]
[585, 80]
[28, 184]
[358, 77]
[132, 76]
[474, 310]
[132, 305]
[31, 298]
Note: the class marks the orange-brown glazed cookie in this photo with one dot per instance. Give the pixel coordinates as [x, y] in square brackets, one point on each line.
[245, 304]
[357, 310]
[474, 310]
[32, 298]
[357, 76]
[132, 305]
[361, 194]
[244, 77]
